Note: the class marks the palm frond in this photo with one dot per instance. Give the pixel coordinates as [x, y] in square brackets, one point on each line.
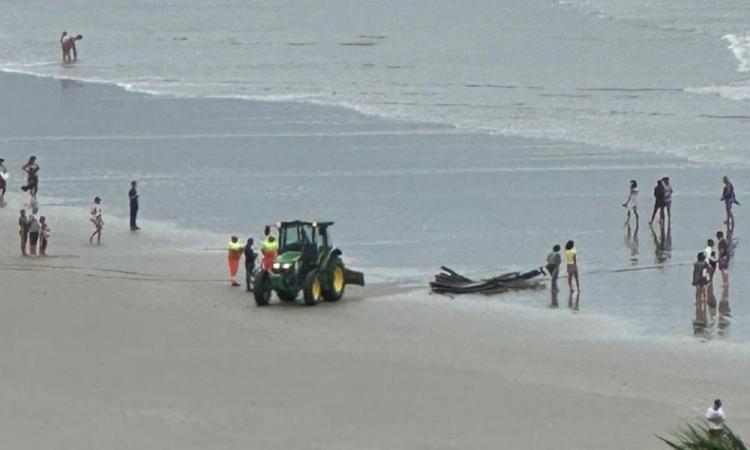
[700, 437]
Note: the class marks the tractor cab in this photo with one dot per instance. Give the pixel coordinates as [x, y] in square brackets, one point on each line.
[309, 241]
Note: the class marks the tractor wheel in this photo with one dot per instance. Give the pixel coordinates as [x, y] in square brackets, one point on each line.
[312, 289]
[262, 288]
[285, 296]
[334, 287]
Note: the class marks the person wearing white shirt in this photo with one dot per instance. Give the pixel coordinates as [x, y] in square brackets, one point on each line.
[715, 417]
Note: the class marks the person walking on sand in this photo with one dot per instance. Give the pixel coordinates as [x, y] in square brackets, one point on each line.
[729, 199]
[572, 264]
[722, 255]
[715, 417]
[34, 230]
[133, 196]
[250, 259]
[23, 231]
[97, 221]
[44, 236]
[700, 279]
[667, 197]
[32, 179]
[235, 250]
[553, 266]
[3, 182]
[68, 42]
[631, 204]
[658, 202]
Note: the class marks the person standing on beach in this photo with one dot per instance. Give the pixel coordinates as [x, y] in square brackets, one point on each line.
[97, 221]
[729, 199]
[631, 204]
[233, 259]
[133, 196]
[700, 279]
[723, 256]
[269, 248]
[715, 417]
[572, 265]
[667, 198]
[32, 179]
[44, 236]
[68, 42]
[250, 258]
[658, 202]
[3, 182]
[34, 230]
[553, 266]
[23, 230]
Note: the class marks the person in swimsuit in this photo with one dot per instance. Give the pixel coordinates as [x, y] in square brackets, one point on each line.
[34, 229]
[32, 179]
[658, 202]
[729, 199]
[97, 221]
[631, 204]
[700, 279]
[572, 265]
[235, 250]
[722, 255]
[68, 43]
[44, 236]
[667, 197]
[3, 182]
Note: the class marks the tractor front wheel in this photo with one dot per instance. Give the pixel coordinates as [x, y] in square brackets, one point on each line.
[334, 288]
[262, 288]
[312, 289]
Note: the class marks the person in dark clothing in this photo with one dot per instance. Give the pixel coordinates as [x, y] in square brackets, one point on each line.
[133, 195]
[250, 258]
[729, 199]
[553, 266]
[32, 179]
[34, 229]
[700, 279]
[23, 230]
[659, 204]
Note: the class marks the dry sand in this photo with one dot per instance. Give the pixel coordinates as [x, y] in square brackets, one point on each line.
[136, 344]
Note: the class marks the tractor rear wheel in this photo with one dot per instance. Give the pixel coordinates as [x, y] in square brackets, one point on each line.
[335, 284]
[312, 289]
[262, 288]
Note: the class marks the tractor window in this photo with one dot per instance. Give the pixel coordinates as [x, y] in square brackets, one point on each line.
[291, 239]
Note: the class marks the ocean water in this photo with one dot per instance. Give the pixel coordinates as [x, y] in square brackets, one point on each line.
[666, 77]
[468, 134]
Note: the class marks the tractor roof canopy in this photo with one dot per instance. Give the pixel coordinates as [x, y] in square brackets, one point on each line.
[296, 223]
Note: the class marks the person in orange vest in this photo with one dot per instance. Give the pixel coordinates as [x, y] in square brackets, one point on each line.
[233, 259]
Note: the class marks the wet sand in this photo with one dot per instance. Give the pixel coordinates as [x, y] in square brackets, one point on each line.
[133, 344]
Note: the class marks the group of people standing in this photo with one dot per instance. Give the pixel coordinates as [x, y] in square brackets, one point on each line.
[269, 249]
[554, 261]
[662, 202]
[33, 228]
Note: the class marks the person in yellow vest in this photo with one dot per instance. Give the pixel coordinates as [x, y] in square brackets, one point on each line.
[572, 260]
[233, 258]
[269, 248]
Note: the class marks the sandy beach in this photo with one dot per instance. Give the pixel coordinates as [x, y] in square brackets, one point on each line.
[141, 342]
[117, 346]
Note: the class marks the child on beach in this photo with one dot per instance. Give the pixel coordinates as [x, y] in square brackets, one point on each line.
[233, 259]
[572, 260]
[97, 221]
[553, 266]
[34, 229]
[700, 279]
[631, 204]
[44, 236]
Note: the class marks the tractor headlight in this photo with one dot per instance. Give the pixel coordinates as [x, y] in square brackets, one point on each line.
[286, 266]
[276, 266]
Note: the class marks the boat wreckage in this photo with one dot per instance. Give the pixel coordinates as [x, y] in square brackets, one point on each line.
[451, 282]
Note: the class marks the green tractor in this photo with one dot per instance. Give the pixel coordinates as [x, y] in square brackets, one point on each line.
[307, 261]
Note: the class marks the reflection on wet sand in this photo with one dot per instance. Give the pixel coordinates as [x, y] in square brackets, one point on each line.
[662, 243]
[631, 241]
[706, 323]
[574, 300]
